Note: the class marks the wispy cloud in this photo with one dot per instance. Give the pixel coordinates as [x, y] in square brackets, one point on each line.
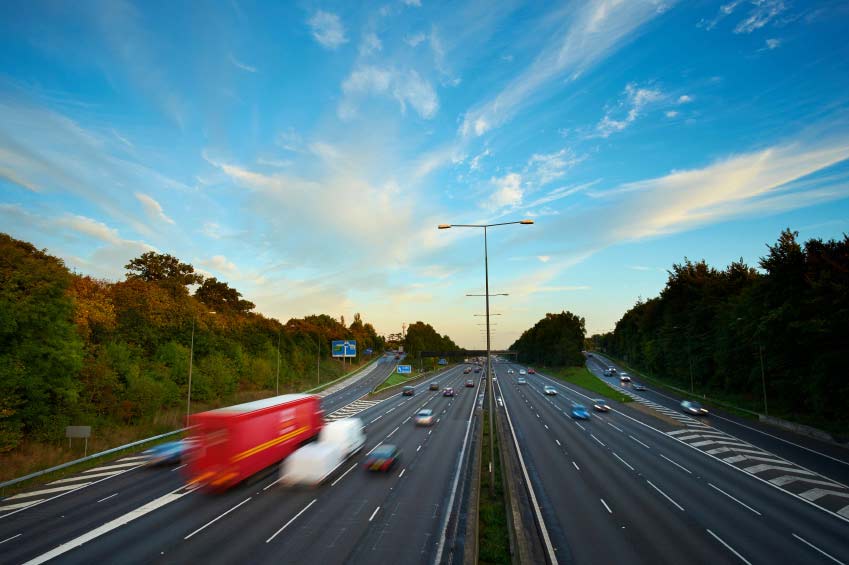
[370, 44]
[507, 191]
[415, 39]
[327, 29]
[587, 36]
[406, 87]
[635, 101]
[544, 168]
[153, 209]
[239, 65]
[760, 13]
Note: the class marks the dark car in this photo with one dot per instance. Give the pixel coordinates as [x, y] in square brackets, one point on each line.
[408, 391]
[448, 392]
[382, 458]
[470, 383]
[477, 369]
[434, 386]
[638, 386]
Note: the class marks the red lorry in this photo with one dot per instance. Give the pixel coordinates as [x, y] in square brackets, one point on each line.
[232, 443]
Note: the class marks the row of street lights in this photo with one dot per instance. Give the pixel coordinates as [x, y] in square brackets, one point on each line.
[491, 391]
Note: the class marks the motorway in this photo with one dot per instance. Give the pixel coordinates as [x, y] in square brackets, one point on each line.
[619, 488]
[149, 515]
[828, 460]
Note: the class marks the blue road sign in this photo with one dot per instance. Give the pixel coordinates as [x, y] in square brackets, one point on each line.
[344, 348]
[368, 351]
[405, 369]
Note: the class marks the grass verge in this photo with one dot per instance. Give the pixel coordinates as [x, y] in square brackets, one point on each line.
[583, 378]
[493, 535]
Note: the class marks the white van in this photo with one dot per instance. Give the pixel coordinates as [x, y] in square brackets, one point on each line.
[347, 434]
[314, 462]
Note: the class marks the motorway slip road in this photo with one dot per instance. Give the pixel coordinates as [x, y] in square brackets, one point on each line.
[357, 517]
[618, 488]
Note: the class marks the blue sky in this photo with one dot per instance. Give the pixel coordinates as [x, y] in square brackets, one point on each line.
[305, 152]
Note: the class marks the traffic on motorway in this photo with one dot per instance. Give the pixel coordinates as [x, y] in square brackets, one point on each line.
[378, 467]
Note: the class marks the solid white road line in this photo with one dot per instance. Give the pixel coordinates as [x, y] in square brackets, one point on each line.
[544, 530]
[731, 549]
[83, 477]
[623, 461]
[108, 497]
[112, 467]
[606, 506]
[111, 525]
[743, 504]
[342, 476]
[18, 506]
[11, 538]
[801, 540]
[665, 495]
[676, 464]
[216, 519]
[373, 514]
[392, 432]
[373, 448]
[178, 468]
[295, 517]
[407, 420]
[638, 441]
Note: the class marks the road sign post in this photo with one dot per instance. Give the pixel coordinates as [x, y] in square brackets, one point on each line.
[405, 369]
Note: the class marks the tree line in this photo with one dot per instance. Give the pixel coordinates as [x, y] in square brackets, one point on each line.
[78, 350]
[555, 340]
[737, 331]
[423, 337]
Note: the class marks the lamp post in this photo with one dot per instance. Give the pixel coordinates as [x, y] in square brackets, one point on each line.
[191, 362]
[488, 344]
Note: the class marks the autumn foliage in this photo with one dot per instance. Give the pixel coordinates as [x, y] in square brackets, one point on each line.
[77, 350]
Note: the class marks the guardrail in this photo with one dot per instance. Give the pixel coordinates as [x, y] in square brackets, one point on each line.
[11, 482]
[88, 458]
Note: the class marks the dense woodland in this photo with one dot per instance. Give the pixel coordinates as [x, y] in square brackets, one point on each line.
[720, 327]
[422, 337]
[77, 350]
[556, 340]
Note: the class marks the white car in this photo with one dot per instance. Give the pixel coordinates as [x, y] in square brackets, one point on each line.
[424, 417]
[694, 408]
[523, 372]
[549, 390]
[624, 378]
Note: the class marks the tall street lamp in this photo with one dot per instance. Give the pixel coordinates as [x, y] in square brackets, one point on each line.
[191, 362]
[488, 340]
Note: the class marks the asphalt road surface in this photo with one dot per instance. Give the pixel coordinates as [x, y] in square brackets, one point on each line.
[618, 488]
[148, 515]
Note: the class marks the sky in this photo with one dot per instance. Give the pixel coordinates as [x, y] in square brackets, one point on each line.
[305, 152]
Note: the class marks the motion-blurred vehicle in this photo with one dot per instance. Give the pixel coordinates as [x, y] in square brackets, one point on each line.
[448, 392]
[434, 386]
[532, 371]
[382, 458]
[549, 390]
[521, 381]
[600, 404]
[694, 408]
[638, 386]
[608, 372]
[510, 371]
[477, 369]
[470, 383]
[235, 442]
[397, 356]
[313, 463]
[580, 412]
[467, 370]
[523, 372]
[408, 391]
[443, 362]
[167, 453]
[624, 378]
[424, 417]
[612, 370]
